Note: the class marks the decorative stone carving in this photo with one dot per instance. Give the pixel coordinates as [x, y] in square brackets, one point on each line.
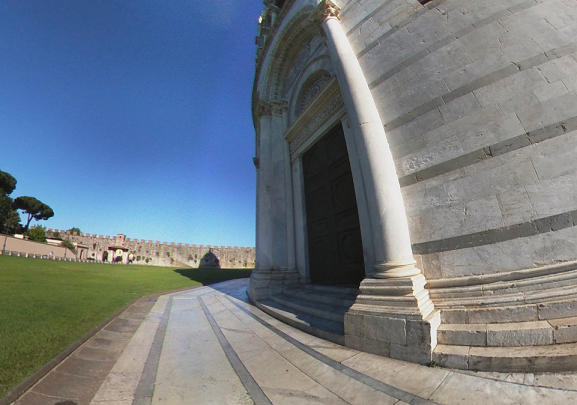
[313, 90]
[326, 104]
[334, 105]
[302, 59]
[278, 108]
[326, 9]
[263, 109]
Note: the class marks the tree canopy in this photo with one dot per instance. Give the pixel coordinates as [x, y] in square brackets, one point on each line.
[9, 218]
[34, 208]
[7, 183]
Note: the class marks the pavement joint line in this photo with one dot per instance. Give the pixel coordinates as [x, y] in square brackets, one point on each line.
[52, 396]
[145, 388]
[365, 379]
[254, 390]
[29, 383]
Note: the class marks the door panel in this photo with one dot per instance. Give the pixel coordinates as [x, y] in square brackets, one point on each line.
[334, 236]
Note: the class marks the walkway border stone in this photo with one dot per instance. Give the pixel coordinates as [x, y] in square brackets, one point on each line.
[28, 383]
[21, 389]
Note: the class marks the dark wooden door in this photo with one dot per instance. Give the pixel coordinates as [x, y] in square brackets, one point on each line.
[334, 234]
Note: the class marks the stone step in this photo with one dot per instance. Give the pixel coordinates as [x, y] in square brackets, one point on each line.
[336, 298]
[519, 312]
[527, 359]
[488, 300]
[332, 288]
[554, 281]
[513, 334]
[313, 325]
[317, 309]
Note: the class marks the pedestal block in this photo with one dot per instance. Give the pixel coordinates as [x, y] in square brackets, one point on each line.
[264, 283]
[395, 318]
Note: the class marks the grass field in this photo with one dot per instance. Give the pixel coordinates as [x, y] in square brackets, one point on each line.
[45, 305]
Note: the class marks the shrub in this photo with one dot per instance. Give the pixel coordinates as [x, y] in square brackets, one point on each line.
[37, 234]
[69, 245]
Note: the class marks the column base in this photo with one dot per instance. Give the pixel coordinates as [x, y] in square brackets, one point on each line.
[264, 283]
[394, 318]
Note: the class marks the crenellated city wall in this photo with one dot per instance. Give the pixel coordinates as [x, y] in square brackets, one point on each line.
[156, 253]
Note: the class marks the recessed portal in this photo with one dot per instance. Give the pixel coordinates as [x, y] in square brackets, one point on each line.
[334, 233]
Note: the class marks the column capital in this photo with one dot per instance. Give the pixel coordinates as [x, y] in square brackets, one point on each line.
[263, 109]
[268, 109]
[278, 107]
[325, 10]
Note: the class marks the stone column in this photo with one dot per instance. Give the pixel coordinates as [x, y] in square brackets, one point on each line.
[299, 221]
[393, 315]
[283, 239]
[278, 192]
[275, 233]
[291, 249]
[260, 277]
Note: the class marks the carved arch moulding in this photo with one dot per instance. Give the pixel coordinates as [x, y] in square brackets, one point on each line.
[288, 53]
[308, 84]
[316, 119]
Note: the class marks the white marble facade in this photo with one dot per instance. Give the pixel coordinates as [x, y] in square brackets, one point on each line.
[460, 120]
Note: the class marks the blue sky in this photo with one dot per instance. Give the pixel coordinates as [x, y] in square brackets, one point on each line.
[132, 116]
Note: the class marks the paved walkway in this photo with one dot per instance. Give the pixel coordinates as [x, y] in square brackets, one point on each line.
[210, 346]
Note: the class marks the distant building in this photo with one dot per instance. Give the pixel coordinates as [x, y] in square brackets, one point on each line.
[105, 248]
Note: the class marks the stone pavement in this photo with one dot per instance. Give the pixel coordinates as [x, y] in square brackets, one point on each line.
[78, 377]
[210, 346]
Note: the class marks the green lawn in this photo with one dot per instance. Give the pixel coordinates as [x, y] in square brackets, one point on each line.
[45, 305]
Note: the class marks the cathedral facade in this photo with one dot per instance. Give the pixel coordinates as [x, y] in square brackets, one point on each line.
[417, 179]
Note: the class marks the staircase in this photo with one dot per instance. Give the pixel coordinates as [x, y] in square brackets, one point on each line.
[528, 325]
[524, 325]
[315, 309]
